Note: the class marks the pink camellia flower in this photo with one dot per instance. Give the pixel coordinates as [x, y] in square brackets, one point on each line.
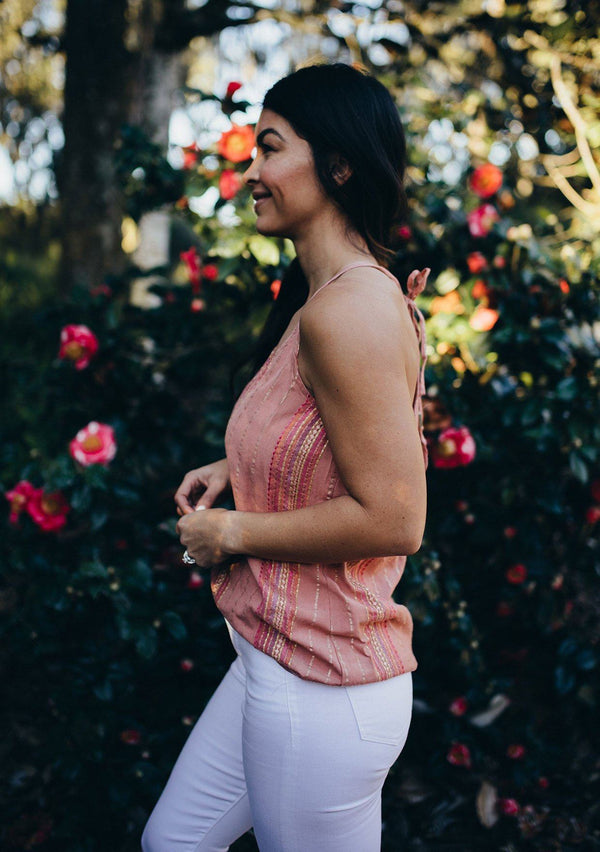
[192, 262]
[459, 706]
[476, 262]
[94, 444]
[232, 88]
[186, 665]
[404, 232]
[486, 180]
[516, 574]
[78, 344]
[49, 511]
[459, 755]
[592, 515]
[515, 751]
[483, 319]
[196, 580]
[18, 498]
[190, 155]
[131, 736]
[481, 219]
[210, 272]
[197, 305]
[499, 261]
[230, 183]
[455, 447]
[508, 807]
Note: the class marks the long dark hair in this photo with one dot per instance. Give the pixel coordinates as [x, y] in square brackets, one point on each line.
[342, 111]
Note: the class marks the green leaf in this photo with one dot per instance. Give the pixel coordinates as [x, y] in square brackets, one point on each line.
[578, 467]
[174, 625]
[146, 641]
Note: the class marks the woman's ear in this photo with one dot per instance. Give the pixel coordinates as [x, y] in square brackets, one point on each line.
[340, 170]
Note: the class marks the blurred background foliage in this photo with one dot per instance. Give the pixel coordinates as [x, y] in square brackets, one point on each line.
[123, 213]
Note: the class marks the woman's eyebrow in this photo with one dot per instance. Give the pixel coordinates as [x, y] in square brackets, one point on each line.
[263, 133]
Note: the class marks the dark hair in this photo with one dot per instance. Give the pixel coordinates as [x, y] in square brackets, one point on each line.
[340, 110]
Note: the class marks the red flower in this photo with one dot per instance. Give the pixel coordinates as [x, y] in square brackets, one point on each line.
[100, 290]
[232, 88]
[49, 511]
[230, 183]
[459, 755]
[78, 344]
[458, 706]
[483, 319]
[210, 272]
[504, 609]
[476, 262]
[404, 232]
[190, 155]
[515, 751]
[564, 285]
[481, 219]
[510, 532]
[480, 289]
[543, 782]
[275, 287]
[131, 736]
[516, 574]
[186, 665]
[197, 305]
[455, 447]
[196, 580]
[94, 444]
[18, 499]
[486, 180]
[595, 490]
[192, 262]
[499, 261]
[592, 515]
[509, 807]
[237, 144]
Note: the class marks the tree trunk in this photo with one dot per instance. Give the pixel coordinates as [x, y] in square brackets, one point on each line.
[95, 107]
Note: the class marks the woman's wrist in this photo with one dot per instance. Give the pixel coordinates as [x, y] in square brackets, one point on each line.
[232, 537]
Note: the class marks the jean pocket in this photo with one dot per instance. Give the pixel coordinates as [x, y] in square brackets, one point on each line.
[383, 709]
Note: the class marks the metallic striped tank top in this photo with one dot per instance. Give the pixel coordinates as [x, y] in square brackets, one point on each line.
[336, 623]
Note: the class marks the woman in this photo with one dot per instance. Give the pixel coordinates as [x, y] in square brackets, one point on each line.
[326, 460]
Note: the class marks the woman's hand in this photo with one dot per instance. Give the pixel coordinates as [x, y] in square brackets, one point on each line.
[205, 535]
[202, 487]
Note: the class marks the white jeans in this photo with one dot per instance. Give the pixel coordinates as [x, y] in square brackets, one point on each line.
[301, 762]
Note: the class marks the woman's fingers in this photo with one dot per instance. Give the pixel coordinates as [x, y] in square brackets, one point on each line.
[190, 483]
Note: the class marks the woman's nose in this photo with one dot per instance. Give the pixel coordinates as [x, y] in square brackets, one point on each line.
[251, 173]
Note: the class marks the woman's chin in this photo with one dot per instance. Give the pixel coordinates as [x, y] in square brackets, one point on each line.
[269, 230]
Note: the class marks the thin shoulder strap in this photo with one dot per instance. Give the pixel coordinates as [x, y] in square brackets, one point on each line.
[341, 272]
[415, 285]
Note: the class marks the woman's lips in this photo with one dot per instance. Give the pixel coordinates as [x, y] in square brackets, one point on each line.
[260, 200]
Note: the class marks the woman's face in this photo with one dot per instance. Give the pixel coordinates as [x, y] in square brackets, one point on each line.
[283, 180]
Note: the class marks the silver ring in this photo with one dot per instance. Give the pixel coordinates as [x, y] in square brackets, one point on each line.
[189, 560]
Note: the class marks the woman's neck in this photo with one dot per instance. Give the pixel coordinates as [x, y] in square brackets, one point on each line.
[324, 251]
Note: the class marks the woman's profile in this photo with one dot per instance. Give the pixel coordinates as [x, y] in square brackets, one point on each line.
[326, 460]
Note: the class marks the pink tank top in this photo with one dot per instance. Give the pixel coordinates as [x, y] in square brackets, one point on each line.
[331, 623]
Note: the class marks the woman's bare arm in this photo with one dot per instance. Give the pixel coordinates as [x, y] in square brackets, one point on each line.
[358, 350]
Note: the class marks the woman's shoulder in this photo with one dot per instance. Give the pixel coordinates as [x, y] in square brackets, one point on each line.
[363, 304]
